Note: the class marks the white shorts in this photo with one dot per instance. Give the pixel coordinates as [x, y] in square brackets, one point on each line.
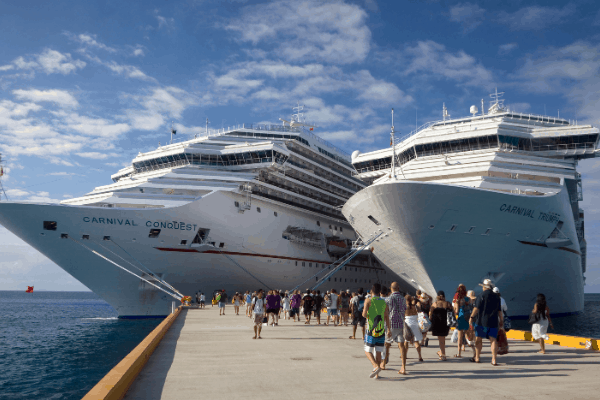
[396, 336]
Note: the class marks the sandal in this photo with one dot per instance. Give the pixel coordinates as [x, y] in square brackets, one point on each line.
[457, 356]
[495, 365]
[472, 359]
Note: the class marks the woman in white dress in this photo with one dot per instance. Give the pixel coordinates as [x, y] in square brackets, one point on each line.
[286, 306]
[539, 329]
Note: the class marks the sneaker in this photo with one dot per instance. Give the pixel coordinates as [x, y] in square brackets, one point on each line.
[427, 342]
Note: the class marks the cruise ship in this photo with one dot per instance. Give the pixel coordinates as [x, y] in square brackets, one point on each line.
[240, 208]
[491, 196]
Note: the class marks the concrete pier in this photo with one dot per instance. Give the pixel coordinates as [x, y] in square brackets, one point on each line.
[207, 356]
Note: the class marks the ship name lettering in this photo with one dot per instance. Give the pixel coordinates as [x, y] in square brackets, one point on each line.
[110, 221]
[178, 225]
[525, 212]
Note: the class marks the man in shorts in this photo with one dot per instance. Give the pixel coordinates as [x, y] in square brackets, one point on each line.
[307, 305]
[222, 301]
[318, 305]
[485, 317]
[202, 300]
[259, 308]
[248, 299]
[396, 304]
[332, 308]
[357, 305]
[377, 315]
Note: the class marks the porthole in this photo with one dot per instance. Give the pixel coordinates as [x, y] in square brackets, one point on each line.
[431, 226]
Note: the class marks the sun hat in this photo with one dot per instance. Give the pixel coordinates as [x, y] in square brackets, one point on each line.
[424, 297]
[471, 294]
[496, 290]
[487, 283]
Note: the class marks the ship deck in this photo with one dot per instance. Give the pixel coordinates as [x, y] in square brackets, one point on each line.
[204, 355]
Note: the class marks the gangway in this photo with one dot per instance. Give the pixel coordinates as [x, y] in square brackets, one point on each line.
[338, 264]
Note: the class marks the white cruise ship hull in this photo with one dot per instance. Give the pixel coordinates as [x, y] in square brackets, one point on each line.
[253, 239]
[440, 235]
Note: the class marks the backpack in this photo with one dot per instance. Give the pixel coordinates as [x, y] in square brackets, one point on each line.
[218, 298]
[378, 328]
[308, 302]
[359, 306]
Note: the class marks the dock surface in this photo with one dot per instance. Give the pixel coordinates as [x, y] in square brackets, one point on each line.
[205, 355]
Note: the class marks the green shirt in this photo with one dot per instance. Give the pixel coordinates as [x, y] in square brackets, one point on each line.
[376, 317]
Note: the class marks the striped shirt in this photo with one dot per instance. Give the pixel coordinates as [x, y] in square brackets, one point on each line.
[397, 307]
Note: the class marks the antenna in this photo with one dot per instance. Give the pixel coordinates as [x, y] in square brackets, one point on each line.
[173, 132]
[206, 127]
[298, 112]
[444, 112]
[393, 143]
[482, 109]
[497, 103]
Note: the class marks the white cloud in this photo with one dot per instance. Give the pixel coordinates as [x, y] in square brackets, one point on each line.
[96, 155]
[506, 48]
[60, 97]
[6, 67]
[138, 52]
[89, 40]
[145, 120]
[128, 70]
[469, 15]
[167, 23]
[331, 32]
[536, 17]
[20, 63]
[62, 174]
[52, 61]
[432, 58]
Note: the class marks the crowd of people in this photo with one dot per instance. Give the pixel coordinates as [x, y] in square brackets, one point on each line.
[387, 316]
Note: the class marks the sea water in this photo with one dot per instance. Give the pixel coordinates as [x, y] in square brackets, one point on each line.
[58, 345]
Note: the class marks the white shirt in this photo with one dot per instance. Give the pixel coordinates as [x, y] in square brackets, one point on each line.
[503, 305]
[259, 306]
[202, 297]
[333, 298]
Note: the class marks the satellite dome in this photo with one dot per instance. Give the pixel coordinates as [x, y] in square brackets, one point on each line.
[474, 110]
[355, 154]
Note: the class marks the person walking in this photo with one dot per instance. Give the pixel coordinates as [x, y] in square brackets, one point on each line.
[272, 309]
[202, 300]
[344, 307]
[317, 305]
[295, 303]
[485, 317]
[396, 305]
[236, 303]
[332, 308]
[439, 322]
[286, 305]
[502, 339]
[258, 306]
[539, 328]
[461, 309]
[307, 304]
[377, 315]
[248, 304]
[411, 322]
[357, 306]
[424, 306]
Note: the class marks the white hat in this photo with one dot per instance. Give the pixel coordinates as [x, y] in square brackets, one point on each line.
[487, 283]
[496, 290]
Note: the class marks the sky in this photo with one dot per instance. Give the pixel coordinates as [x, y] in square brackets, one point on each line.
[85, 86]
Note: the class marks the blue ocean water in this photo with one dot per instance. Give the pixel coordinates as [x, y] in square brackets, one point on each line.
[58, 345]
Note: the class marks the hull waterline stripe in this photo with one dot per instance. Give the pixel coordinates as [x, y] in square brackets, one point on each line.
[543, 245]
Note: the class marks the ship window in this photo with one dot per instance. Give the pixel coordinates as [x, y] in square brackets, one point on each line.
[470, 229]
[85, 237]
[50, 225]
[318, 223]
[154, 233]
[64, 235]
[341, 230]
[236, 203]
[374, 220]
[310, 265]
[303, 264]
[335, 228]
[106, 238]
[431, 226]
[275, 213]
[183, 242]
[258, 209]
[330, 227]
[221, 245]
[201, 236]
[487, 232]
[452, 228]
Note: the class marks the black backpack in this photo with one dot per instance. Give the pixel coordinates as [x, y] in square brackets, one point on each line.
[308, 302]
[359, 306]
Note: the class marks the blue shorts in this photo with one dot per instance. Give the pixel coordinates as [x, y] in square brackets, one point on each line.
[374, 344]
[487, 333]
[332, 311]
[221, 304]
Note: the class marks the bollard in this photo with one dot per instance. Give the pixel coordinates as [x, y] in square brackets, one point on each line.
[173, 307]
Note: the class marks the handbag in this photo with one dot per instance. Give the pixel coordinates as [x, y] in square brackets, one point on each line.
[455, 336]
[451, 319]
[409, 336]
[424, 322]
[507, 322]
[533, 318]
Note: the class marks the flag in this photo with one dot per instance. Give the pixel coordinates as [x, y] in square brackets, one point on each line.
[311, 129]
[29, 289]
[391, 142]
[1, 171]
